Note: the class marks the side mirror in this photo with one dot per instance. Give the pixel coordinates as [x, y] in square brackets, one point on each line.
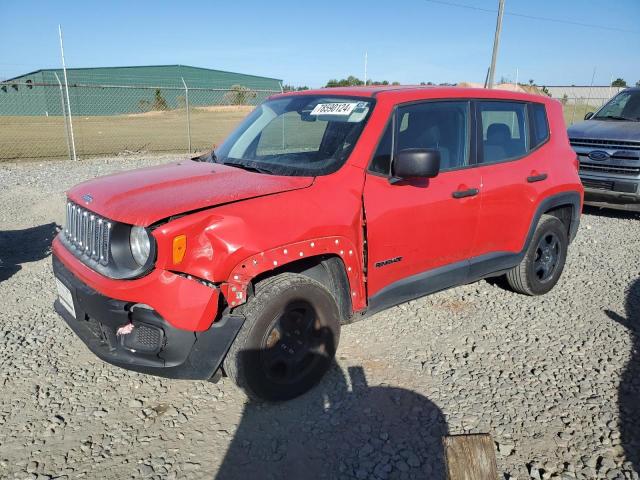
[416, 163]
[588, 115]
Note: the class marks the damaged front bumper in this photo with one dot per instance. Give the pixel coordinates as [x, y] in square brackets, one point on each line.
[153, 346]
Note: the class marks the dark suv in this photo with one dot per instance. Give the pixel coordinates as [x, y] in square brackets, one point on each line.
[608, 147]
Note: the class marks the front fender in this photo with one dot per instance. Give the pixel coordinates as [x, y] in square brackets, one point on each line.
[235, 287]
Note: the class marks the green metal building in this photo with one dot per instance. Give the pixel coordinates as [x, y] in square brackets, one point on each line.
[120, 90]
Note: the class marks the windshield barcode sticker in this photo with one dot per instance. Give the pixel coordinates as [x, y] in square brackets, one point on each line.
[333, 109]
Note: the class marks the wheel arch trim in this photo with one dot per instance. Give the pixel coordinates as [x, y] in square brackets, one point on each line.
[565, 199]
[237, 286]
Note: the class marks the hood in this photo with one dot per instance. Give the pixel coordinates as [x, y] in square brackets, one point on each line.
[606, 130]
[146, 195]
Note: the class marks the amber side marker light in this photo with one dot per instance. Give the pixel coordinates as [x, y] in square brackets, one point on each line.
[179, 248]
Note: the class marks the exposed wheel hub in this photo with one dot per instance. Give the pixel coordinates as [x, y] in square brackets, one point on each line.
[547, 256]
[293, 345]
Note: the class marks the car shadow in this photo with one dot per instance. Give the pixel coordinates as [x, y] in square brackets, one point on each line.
[622, 212]
[629, 389]
[23, 246]
[334, 431]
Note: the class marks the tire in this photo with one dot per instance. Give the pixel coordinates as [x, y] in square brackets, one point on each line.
[288, 340]
[542, 265]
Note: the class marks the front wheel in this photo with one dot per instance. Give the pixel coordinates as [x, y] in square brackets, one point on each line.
[288, 340]
[542, 265]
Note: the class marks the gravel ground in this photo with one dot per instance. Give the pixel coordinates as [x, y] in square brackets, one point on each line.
[554, 379]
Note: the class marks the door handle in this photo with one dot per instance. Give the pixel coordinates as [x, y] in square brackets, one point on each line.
[472, 192]
[537, 178]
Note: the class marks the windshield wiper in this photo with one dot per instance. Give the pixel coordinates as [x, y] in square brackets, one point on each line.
[619, 117]
[249, 168]
[209, 157]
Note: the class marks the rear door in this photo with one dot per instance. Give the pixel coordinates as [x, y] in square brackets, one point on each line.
[427, 225]
[514, 172]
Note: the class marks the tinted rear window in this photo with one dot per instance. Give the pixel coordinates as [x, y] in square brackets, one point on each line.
[504, 130]
[540, 132]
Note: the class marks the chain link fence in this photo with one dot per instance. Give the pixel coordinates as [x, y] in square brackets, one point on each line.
[37, 121]
[576, 108]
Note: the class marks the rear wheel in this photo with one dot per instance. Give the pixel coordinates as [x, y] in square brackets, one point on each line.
[288, 340]
[542, 265]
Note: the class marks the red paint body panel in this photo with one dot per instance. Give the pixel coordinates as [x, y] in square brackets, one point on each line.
[242, 274]
[221, 239]
[146, 195]
[509, 201]
[230, 241]
[420, 221]
[184, 303]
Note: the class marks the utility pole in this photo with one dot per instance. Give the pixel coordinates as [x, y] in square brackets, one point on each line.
[365, 69]
[496, 43]
[66, 87]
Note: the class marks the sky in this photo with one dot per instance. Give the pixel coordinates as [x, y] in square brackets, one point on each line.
[308, 43]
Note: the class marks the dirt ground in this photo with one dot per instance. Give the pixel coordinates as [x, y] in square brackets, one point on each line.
[553, 379]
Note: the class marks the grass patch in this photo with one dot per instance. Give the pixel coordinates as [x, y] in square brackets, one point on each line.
[574, 113]
[31, 137]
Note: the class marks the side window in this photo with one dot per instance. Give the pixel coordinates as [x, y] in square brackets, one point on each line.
[381, 162]
[443, 126]
[504, 130]
[540, 128]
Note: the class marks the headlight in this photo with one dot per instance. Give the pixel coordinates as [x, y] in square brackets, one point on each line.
[140, 245]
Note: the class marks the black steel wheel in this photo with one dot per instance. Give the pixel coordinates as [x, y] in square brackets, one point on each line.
[543, 262]
[294, 344]
[547, 256]
[288, 340]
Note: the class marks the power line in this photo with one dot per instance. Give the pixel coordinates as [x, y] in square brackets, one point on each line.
[534, 17]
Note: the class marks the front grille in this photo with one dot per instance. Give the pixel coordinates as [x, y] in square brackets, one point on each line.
[618, 169]
[598, 184]
[605, 144]
[88, 233]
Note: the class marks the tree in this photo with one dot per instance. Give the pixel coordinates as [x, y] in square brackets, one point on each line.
[291, 88]
[350, 81]
[354, 81]
[638, 83]
[377, 82]
[239, 95]
[531, 81]
[159, 103]
[619, 82]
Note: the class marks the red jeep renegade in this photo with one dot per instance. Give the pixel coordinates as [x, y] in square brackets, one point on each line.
[320, 208]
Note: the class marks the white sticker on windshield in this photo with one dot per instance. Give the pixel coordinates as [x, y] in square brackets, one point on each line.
[333, 109]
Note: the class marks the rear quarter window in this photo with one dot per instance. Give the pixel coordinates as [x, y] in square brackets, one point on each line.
[540, 124]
